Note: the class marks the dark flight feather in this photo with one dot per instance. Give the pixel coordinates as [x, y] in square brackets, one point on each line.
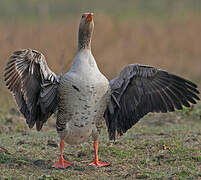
[140, 89]
[33, 84]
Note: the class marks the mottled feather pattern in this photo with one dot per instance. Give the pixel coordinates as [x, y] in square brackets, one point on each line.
[28, 77]
[140, 89]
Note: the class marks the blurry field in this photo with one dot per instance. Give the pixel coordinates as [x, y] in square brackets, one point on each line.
[172, 45]
[160, 146]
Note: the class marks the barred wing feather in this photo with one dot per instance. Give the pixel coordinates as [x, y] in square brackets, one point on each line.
[33, 85]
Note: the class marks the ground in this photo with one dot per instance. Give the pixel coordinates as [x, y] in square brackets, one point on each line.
[160, 146]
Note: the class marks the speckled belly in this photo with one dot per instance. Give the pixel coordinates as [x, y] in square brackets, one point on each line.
[81, 108]
[75, 135]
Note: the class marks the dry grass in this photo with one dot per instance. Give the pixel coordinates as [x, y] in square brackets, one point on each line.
[173, 45]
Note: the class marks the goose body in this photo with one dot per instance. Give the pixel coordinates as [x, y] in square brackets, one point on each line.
[84, 94]
[84, 98]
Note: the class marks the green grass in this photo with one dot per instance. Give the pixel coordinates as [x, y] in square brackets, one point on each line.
[160, 146]
[34, 10]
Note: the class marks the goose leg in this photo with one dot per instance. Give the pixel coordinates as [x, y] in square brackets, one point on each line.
[61, 163]
[96, 161]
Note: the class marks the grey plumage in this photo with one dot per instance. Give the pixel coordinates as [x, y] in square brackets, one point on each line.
[139, 89]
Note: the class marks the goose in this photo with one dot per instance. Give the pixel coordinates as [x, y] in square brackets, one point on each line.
[84, 98]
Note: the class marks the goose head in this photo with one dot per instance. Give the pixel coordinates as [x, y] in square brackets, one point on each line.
[85, 31]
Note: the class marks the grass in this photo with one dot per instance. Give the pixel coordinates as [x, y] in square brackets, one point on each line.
[159, 44]
[35, 11]
[159, 146]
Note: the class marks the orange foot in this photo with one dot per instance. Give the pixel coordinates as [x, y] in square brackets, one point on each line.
[98, 163]
[61, 164]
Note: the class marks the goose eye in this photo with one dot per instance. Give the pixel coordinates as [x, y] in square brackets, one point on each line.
[83, 16]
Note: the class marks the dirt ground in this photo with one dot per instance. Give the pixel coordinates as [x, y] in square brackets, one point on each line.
[160, 146]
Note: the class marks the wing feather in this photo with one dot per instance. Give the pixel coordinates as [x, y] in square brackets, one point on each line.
[27, 75]
[140, 89]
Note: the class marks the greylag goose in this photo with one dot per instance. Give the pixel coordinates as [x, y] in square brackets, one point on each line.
[84, 97]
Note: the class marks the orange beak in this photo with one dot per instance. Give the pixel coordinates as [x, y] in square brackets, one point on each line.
[89, 17]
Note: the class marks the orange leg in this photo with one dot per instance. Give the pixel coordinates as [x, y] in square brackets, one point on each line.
[96, 161]
[61, 163]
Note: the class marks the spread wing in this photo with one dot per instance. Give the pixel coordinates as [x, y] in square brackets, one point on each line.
[139, 89]
[33, 85]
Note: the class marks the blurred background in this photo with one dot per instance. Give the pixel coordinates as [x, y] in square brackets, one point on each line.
[161, 33]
